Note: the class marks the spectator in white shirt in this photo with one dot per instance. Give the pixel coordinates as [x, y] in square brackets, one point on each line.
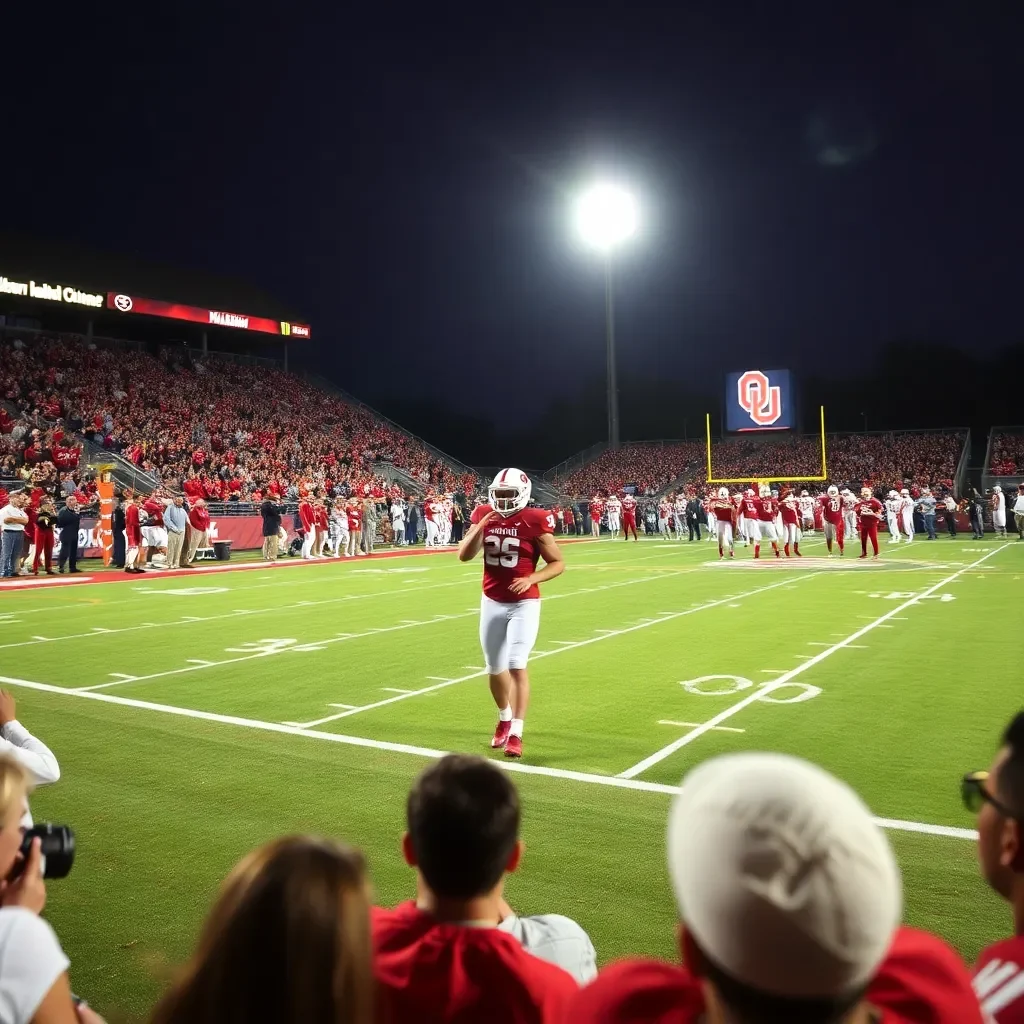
[1018, 511]
[18, 743]
[34, 986]
[12, 522]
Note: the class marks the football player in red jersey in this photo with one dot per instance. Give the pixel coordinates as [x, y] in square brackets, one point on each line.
[869, 514]
[629, 516]
[767, 508]
[513, 538]
[721, 514]
[832, 514]
[596, 511]
[790, 510]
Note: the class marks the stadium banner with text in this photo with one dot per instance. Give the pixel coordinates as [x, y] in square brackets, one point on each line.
[759, 400]
[124, 303]
[244, 532]
[62, 293]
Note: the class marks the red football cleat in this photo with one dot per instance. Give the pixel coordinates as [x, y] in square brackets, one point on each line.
[501, 734]
[514, 746]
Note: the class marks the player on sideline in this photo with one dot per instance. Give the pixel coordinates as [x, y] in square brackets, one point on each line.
[907, 513]
[849, 512]
[832, 518]
[614, 507]
[722, 512]
[596, 510]
[629, 516]
[513, 538]
[892, 513]
[869, 515]
[806, 503]
[999, 511]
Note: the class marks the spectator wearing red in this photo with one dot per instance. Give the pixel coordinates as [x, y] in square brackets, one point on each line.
[997, 797]
[791, 900]
[198, 532]
[444, 957]
[133, 534]
[307, 516]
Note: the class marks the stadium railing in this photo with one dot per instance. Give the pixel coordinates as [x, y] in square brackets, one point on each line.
[989, 478]
[574, 462]
[325, 385]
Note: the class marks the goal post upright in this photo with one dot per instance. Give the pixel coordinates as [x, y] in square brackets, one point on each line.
[712, 479]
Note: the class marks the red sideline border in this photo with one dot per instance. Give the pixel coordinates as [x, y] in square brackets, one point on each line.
[86, 577]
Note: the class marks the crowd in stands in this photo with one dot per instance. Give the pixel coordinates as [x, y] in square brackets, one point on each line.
[1007, 456]
[787, 890]
[243, 430]
[875, 460]
[650, 467]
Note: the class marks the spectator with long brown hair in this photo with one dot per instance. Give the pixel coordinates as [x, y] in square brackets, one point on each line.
[288, 941]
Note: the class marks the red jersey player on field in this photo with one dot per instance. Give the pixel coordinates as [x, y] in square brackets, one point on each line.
[832, 514]
[513, 538]
[721, 512]
[790, 509]
[596, 511]
[766, 508]
[629, 516]
[869, 514]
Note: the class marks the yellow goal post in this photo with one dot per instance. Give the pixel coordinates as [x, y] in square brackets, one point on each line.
[712, 479]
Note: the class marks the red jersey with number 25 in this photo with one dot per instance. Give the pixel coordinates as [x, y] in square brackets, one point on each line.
[511, 550]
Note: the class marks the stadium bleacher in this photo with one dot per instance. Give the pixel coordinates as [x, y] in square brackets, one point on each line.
[243, 428]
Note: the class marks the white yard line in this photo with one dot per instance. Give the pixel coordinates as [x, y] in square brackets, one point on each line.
[312, 645]
[792, 674]
[611, 781]
[602, 634]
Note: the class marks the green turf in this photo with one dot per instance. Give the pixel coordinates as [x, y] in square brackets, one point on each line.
[163, 804]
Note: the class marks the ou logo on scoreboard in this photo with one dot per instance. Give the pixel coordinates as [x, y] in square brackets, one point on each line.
[758, 398]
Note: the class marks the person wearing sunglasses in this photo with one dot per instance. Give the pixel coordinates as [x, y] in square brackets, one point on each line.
[996, 797]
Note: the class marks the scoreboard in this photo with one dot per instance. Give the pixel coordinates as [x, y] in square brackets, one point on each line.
[759, 400]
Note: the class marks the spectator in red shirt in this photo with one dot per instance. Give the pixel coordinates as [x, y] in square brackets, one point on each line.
[287, 941]
[997, 797]
[444, 957]
[791, 900]
[197, 534]
[133, 534]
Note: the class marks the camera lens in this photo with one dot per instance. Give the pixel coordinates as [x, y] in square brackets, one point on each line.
[57, 847]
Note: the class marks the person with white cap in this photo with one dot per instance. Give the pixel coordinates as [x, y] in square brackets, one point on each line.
[790, 900]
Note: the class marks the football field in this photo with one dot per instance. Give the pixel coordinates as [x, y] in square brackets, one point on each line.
[196, 716]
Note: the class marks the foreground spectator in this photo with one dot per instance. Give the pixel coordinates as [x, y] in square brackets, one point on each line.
[18, 743]
[34, 986]
[790, 899]
[444, 957]
[997, 797]
[287, 941]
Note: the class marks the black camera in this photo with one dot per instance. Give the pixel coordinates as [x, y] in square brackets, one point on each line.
[57, 847]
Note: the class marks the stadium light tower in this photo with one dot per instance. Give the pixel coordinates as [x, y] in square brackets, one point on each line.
[606, 217]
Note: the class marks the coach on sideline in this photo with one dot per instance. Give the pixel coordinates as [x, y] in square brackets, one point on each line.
[175, 520]
[69, 520]
[271, 513]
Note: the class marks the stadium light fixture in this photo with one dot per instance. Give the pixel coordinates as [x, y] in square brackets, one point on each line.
[607, 216]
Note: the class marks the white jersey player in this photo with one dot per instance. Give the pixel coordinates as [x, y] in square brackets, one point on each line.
[998, 511]
[907, 514]
[614, 509]
[398, 522]
[892, 516]
[513, 539]
[679, 511]
[805, 503]
[337, 528]
[849, 513]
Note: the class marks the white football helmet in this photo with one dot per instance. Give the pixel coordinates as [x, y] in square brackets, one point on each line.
[904, 493]
[997, 489]
[723, 492]
[833, 491]
[749, 492]
[893, 494]
[865, 492]
[803, 494]
[509, 492]
[764, 491]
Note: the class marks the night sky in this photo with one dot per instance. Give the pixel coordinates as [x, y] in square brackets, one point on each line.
[816, 179]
